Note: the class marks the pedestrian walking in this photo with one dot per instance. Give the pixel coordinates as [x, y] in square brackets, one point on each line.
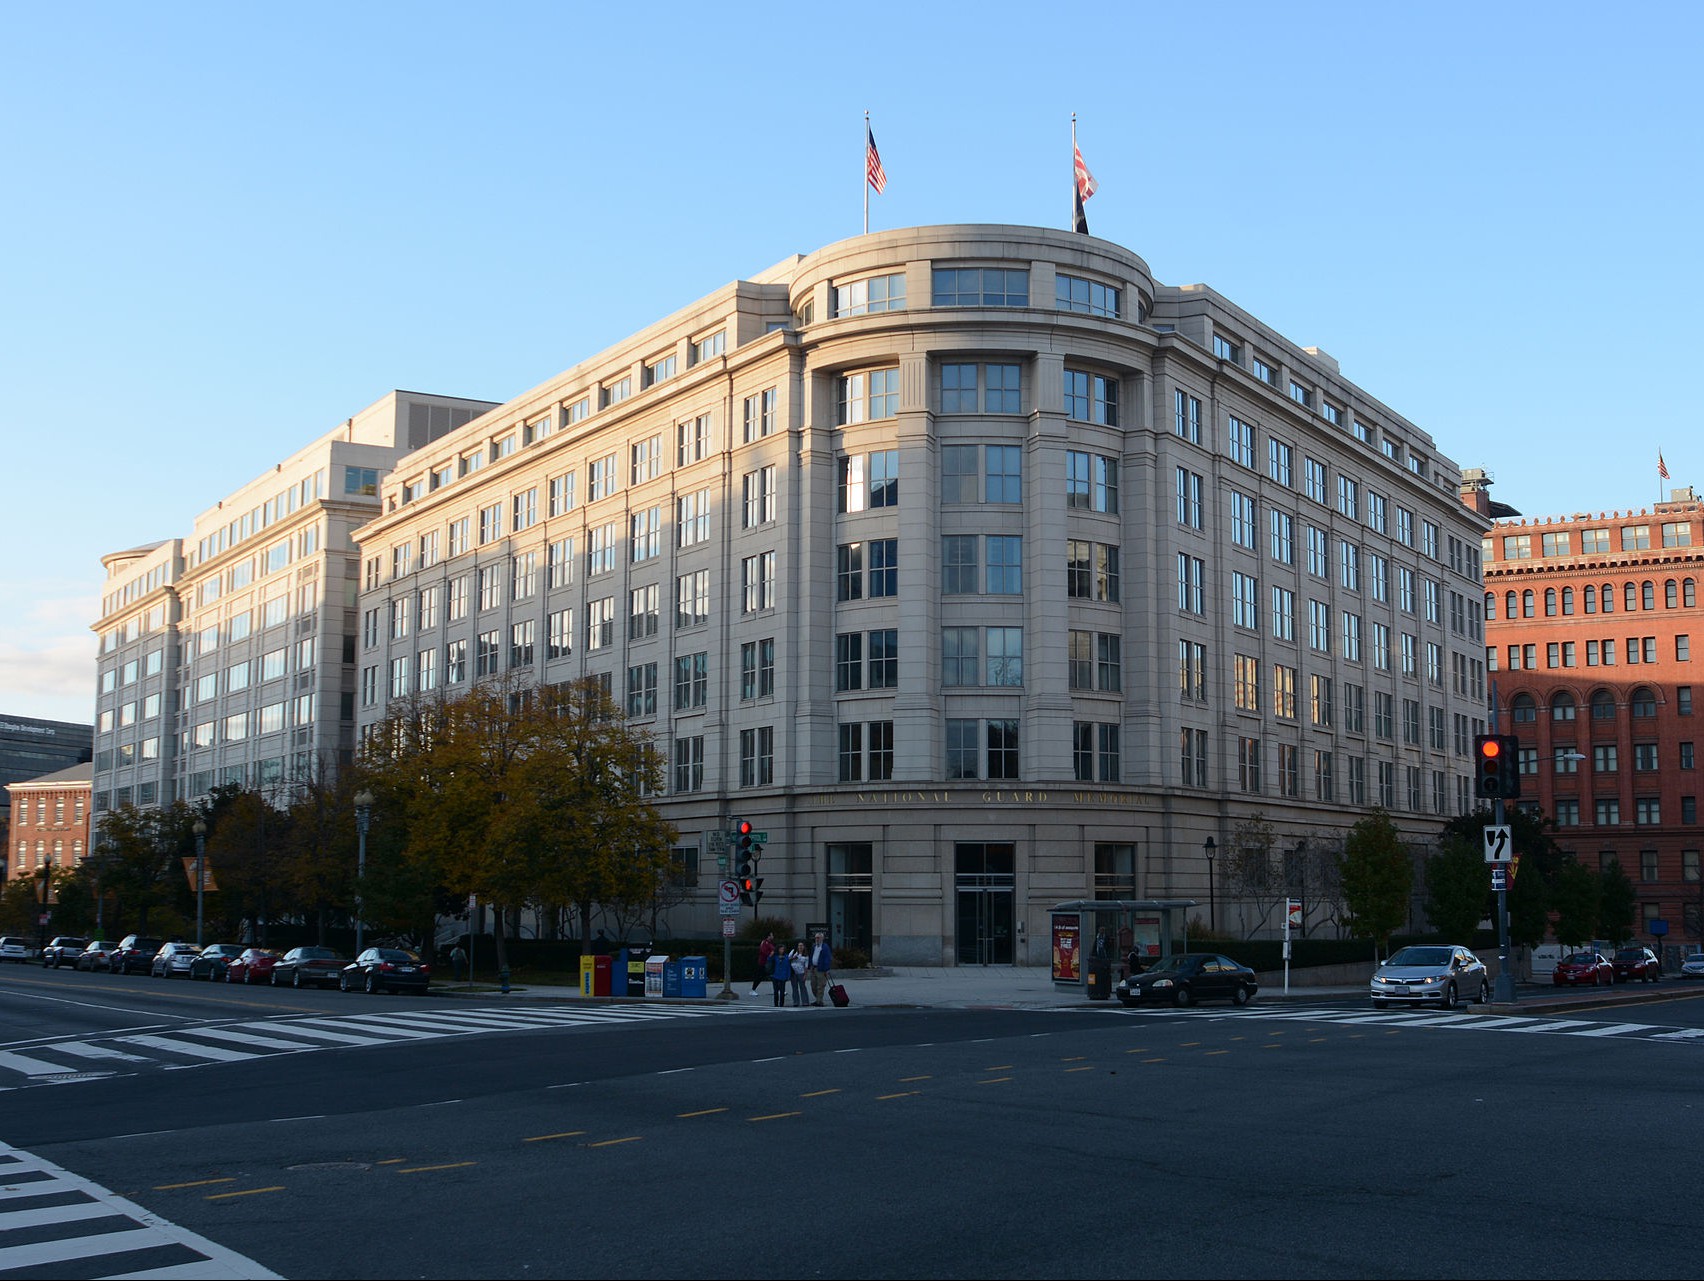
[822, 968]
[458, 961]
[765, 952]
[799, 962]
[780, 972]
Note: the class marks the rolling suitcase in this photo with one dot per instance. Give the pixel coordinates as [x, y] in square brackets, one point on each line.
[837, 994]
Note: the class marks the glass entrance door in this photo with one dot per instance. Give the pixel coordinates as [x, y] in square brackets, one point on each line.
[984, 885]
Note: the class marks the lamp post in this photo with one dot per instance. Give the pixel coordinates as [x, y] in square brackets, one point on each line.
[41, 918]
[1210, 847]
[200, 830]
[363, 816]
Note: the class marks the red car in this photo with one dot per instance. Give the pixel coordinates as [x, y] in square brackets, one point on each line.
[1579, 968]
[1632, 963]
[253, 966]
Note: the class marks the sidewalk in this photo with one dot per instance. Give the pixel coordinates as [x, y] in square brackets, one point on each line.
[1022, 987]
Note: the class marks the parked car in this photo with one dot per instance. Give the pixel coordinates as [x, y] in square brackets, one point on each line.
[1430, 974]
[210, 965]
[302, 966]
[1693, 966]
[1579, 968]
[13, 948]
[1630, 963]
[1187, 977]
[252, 965]
[63, 949]
[173, 959]
[96, 955]
[388, 968]
[134, 954]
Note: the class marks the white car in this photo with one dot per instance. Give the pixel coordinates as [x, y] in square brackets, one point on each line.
[1693, 966]
[1426, 974]
[13, 948]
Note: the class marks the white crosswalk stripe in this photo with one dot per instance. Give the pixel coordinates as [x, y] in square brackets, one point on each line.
[91, 1058]
[1523, 1024]
[86, 1231]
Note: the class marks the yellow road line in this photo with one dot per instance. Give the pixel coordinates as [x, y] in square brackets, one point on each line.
[199, 1183]
[566, 1134]
[1140, 1049]
[774, 1116]
[904, 1079]
[817, 1094]
[998, 1067]
[1089, 1068]
[1189, 1045]
[421, 1169]
[1316, 1040]
[1211, 1053]
[994, 1080]
[393, 1160]
[610, 1143]
[685, 1116]
[903, 1094]
[221, 1196]
[1074, 1058]
[1153, 1060]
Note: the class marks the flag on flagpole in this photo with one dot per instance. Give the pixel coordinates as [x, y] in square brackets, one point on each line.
[874, 174]
[1085, 185]
[1662, 467]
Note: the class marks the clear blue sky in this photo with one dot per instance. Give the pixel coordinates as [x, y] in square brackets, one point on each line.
[227, 227]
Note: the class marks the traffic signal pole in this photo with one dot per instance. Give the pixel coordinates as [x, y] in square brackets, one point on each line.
[1497, 776]
[1505, 986]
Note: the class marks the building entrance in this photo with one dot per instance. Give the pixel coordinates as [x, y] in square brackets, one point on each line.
[985, 883]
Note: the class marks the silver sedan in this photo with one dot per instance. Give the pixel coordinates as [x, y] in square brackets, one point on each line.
[1431, 974]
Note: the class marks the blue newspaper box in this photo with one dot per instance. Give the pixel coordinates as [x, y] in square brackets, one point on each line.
[694, 976]
[671, 978]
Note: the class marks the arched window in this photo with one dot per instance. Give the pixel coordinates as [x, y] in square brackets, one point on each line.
[1671, 594]
[1510, 610]
[1603, 706]
[1647, 595]
[1644, 703]
[1688, 593]
[1567, 601]
[1524, 709]
[1550, 602]
[1591, 599]
[1562, 707]
[1491, 605]
[1526, 603]
[1629, 597]
[1608, 598]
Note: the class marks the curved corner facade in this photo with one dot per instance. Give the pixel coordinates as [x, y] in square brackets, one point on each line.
[979, 571]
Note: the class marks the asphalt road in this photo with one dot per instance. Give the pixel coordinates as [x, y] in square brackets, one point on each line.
[1272, 1141]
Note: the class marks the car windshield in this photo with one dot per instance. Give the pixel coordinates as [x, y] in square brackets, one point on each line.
[317, 954]
[1420, 956]
[1581, 958]
[1630, 954]
[1170, 965]
[396, 957]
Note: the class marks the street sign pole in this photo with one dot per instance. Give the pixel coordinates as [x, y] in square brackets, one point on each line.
[1505, 989]
[728, 904]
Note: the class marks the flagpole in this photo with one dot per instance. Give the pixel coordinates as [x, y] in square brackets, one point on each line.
[866, 173]
[1073, 171]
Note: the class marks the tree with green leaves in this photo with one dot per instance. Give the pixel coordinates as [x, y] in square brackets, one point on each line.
[1576, 898]
[525, 796]
[1618, 903]
[1377, 878]
[1458, 887]
[1533, 875]
[140, 852]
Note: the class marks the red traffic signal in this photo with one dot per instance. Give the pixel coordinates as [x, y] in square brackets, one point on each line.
[1496, 766]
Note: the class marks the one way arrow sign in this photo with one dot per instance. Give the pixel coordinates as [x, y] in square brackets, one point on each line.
[1499, 843]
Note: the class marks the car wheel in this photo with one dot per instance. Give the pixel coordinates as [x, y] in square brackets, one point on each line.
[296, 979]
[1484, 992]
[1181, 997]
[1239, 996]
[372, 985]
[1450, 997]
[342, 982]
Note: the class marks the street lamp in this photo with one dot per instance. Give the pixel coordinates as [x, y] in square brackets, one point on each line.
[363, 816]
[200, 830]
[41, 919]
[1211, 847]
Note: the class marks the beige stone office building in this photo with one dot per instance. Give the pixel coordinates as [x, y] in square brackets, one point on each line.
[973, 565]
[228, 656]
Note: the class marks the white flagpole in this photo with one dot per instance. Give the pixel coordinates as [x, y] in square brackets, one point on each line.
[866, 173]
[1073, 171]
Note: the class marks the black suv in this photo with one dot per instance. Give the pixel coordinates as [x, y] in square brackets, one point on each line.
[134, 954]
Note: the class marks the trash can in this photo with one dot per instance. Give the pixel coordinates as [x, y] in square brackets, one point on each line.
[671, 978]
[694, 976]
[654, 966]
[1100, 979]
[618, 973]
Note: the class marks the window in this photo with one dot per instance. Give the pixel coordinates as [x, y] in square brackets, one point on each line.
[689, 764]
[708, 348]
[1243, 529]
[959, 565]
[759, 415]
[1348, 497]
[1005, 475]
[1283, 614]
[848, 662]
[1190, 571]
[1264, 371]
[1193, 753]
[692, 599]
[643, 612]
[1187, 410]
[692, 440]
[757, 582]
[873, 294]
[1073, 293]
[1225, 349]
[1192, 670]
[757, 669]
[692, 519]
[980, 287]
[1301, 395]
[490, 523]
[757, 497]
[1239, 442]
[1283, 534]
[691, 681]
[757, 756]
[559, 635]
[1313, 479]
[1188, 487]
[1091, 398]
[1005, 564]
[1091, 482]
[521, 644]
[1245, 592]
[642, 690]
[1278, 459]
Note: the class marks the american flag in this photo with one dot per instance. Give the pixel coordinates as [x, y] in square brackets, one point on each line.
[873, 171]
[1662, 467]
[1086, 184]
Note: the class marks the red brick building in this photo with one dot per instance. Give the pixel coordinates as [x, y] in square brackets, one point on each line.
[1589, 626]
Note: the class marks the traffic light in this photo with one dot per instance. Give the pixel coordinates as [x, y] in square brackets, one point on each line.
[1496, 766]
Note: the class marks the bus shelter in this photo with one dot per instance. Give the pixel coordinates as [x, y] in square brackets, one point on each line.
[1097, 941]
